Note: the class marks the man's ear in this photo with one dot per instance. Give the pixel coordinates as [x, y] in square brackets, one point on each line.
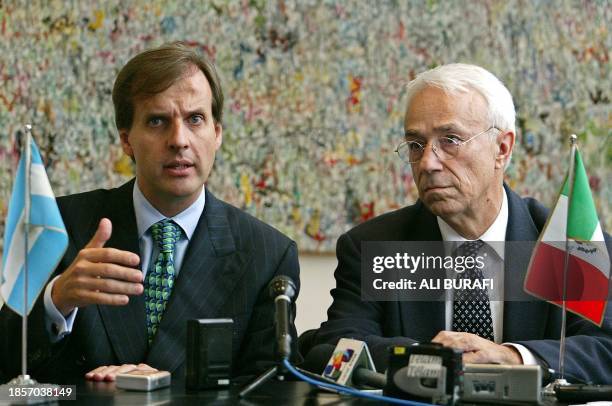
[505, 145]
[125, 143]
[218, 135]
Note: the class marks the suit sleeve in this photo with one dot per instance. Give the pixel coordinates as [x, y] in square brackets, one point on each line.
[258, 349]
[351, 317]
[588, 350]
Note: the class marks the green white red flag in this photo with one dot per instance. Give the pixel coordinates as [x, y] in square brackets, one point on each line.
[588, 272]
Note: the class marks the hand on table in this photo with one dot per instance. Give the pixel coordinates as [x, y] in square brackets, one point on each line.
[108, 373]
[477, 350]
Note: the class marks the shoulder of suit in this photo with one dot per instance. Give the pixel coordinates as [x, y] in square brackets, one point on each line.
[87, 207]
[90, 200]
[537, 211]
[387, 225]
[91, 195]
[244, 222]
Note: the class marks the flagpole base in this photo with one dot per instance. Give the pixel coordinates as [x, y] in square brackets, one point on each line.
[12, 397]
[549, 390]
[23, 380]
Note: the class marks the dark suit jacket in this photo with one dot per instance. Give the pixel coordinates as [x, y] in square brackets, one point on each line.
[225, 272]
[534, 324]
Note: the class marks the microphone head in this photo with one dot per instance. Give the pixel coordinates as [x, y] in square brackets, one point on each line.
[281, 285]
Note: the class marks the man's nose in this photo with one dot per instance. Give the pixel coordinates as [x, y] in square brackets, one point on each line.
[430, 161]
[179, 136]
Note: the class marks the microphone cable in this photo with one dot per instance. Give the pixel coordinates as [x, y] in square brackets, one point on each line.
[347, 390]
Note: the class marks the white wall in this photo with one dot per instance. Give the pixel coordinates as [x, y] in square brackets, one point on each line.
[317, 279]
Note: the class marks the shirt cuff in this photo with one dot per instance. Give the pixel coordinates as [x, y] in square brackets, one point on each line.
[57, 325]
[528, 357]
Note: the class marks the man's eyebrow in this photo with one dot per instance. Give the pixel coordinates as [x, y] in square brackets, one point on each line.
[412, 133]
[156, 114]
[163, 114]
[448, 127]
[197, 110]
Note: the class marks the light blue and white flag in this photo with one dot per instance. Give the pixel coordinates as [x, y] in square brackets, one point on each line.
[47, 237]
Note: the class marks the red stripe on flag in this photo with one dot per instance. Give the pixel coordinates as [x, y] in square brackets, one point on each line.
[587, 286]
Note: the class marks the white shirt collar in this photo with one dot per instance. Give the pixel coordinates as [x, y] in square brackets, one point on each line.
[147, 215]
[496, 233]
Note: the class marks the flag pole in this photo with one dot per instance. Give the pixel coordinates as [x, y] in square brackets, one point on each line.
[570, 178]
[24, 320]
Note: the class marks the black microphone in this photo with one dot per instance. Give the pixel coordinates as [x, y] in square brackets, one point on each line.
[319, 357]
[366, 377]
[282, 290]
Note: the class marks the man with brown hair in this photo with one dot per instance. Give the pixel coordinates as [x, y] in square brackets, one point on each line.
[159, 250]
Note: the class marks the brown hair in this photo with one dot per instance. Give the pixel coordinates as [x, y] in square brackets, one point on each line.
[155, 70]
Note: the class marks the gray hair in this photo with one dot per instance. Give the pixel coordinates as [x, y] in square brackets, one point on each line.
[461, 78]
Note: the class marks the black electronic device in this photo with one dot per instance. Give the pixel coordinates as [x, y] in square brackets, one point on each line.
[426, 372]
[209, 353]
[583, 393]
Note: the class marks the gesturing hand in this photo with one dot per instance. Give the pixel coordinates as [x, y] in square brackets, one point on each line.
[98, 275]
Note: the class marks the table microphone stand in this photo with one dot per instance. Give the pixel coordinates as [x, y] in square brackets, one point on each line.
[276, 371]
[282, 290]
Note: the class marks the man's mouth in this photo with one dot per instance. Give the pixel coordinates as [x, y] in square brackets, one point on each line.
[178, 164]
[178, 167]
[435, 187]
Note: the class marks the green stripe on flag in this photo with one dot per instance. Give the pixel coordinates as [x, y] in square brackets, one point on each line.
[583, 216]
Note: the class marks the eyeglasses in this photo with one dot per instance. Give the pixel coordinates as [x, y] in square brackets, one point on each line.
[445, 148]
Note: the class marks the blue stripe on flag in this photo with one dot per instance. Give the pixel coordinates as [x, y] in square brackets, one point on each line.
[44, 255]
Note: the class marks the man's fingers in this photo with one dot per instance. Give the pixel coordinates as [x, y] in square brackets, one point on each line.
[114, 271]
[91, 297]
[474, 357]
[99, 374]
[91, 373]
[103, 233]
[459, 340]
[111, 255]
[112, 374]
[109, 373]
[126, 368]
[145, 367]
[107, 285]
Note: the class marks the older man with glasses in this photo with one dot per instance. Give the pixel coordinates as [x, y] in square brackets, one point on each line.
[459, 131]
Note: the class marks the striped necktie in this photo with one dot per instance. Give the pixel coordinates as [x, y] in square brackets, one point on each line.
[160, 277]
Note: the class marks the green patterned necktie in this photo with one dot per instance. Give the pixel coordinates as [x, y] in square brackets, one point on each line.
[160, 277]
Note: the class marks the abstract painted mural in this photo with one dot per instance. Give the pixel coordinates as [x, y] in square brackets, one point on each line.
[314, 94]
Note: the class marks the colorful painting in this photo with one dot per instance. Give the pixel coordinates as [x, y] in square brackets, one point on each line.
[314, 94]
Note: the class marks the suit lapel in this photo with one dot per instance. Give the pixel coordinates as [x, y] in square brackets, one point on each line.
[210, 272]
[125, 325]
[524, 317]
[423, 319]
